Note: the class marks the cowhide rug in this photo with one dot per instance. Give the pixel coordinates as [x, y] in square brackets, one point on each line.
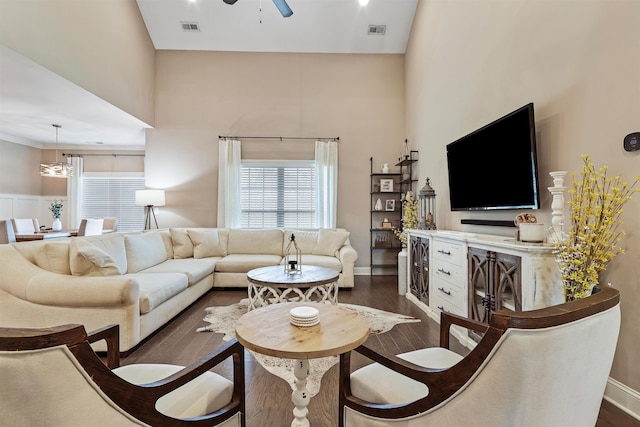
[222, 320]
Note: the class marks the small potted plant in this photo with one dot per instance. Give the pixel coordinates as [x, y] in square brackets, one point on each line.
[56, 211]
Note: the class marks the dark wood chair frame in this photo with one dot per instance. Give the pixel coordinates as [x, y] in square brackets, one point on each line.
[443, 383]
[137, 400]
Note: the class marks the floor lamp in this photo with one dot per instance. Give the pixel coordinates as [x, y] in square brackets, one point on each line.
[149, 199]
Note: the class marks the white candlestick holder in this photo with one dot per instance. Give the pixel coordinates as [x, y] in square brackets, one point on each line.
[557, 206]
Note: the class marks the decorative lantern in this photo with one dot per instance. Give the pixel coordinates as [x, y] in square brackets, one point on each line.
[292, 257]
[427, 205]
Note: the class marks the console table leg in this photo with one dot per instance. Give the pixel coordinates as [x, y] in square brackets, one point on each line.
[300, 396]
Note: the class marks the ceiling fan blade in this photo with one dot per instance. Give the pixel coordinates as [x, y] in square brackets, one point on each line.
[283, 7]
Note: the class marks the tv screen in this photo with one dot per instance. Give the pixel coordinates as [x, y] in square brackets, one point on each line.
[495, 166]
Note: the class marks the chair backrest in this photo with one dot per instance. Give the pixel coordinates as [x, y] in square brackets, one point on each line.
[7, 234]
[67, 384]
[110, 224]
[25, 225]
[90, 227]
[549, 367]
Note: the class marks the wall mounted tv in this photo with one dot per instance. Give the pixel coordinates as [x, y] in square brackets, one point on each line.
[495, 167]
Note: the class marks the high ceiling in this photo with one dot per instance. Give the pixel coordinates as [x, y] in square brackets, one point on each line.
[29, 92]
[324, 26]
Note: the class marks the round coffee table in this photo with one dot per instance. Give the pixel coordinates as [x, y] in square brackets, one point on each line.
[270, 285]
[268, 330]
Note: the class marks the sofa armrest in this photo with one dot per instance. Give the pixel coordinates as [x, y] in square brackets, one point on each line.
[347, 255]
[82, 291]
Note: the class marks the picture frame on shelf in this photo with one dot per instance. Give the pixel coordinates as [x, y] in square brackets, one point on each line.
[386, 185]
[390, 205]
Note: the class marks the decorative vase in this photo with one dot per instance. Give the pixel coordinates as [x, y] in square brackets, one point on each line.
[385, 168]
[57, 224]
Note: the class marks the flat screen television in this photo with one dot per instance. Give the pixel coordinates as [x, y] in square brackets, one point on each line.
[495, 167]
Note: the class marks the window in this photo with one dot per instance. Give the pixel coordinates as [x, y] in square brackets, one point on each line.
[277, 194]
[113, 195]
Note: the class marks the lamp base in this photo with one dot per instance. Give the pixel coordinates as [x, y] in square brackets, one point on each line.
[147, 221]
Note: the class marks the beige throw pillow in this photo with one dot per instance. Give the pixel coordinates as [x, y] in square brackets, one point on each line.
[82, 257]
[208, 242]
[330, 241]
[144, 250]
[182, 245]
[90, 260]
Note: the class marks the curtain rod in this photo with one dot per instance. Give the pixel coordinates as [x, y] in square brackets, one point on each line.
[281, 138]
[101, 155]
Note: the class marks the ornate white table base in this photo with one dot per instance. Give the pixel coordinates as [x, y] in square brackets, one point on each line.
[263, 295]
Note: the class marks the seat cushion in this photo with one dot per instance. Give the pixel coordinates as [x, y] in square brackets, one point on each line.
[158, 288]
[242, 263]
[379, 384]
[203, 395]
[195, 269]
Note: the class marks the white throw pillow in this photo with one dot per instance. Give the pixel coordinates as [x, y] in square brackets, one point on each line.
[53, 256]
[83, 260]
[182, 245]
[330, 241]
[144, 250]
[90, 260]
[208, 242]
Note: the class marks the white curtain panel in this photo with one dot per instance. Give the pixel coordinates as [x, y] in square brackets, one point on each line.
[327, 183]
[229, 183]
[74, 194]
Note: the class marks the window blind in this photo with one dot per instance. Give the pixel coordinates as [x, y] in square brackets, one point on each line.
[113, 195]
[277, 194]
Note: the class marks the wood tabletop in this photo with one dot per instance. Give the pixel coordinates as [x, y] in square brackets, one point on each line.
[41, 235]
[268, 331]
[275, 275]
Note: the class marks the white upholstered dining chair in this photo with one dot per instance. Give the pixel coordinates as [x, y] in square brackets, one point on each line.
[25, 225]
[7, 234]
[545, 367]
[90, 227]
[53, 377]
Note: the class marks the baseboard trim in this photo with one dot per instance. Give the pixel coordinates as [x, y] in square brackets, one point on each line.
[362, 271]
[623, 397]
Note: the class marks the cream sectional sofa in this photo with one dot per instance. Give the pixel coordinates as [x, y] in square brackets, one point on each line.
[142, 280]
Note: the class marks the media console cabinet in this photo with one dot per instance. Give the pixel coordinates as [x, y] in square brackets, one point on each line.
[472, 275]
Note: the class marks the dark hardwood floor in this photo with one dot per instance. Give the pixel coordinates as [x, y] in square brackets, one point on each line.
[269, 397]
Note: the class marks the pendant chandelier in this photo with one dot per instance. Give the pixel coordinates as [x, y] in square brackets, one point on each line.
[56, 169]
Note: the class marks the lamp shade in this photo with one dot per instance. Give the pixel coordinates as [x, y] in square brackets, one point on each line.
[150, 198]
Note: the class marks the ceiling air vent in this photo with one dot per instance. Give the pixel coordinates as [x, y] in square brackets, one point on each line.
[378, 30]
[190, 26]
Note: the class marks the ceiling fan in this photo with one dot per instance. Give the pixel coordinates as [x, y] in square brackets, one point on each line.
[282, 6]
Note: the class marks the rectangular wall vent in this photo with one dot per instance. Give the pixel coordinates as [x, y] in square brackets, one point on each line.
[378, 30]
[190, 26]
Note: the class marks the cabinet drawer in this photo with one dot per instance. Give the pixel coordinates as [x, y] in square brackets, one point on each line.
[448, 272]
[450, 252]
[450, 294]
[439, 304]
